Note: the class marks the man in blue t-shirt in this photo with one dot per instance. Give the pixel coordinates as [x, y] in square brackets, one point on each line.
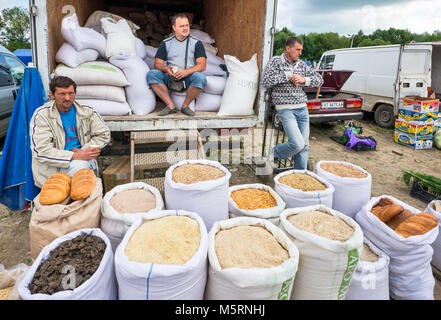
[173, 52]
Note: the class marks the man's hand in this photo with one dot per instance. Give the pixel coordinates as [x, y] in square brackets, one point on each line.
[180, 74]
[297, 80]
[86, 154]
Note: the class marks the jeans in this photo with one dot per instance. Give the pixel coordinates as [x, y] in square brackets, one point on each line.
[196, 79]
[296, 125]
[76, 165]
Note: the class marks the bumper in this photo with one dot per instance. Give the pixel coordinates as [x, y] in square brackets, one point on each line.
[335, 116]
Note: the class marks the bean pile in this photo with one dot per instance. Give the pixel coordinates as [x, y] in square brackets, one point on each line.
[252, 199]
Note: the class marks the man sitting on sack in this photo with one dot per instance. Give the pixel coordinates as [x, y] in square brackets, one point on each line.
[64, 135]
[186, 60]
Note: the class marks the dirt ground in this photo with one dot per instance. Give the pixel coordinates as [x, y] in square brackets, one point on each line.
[384, 165]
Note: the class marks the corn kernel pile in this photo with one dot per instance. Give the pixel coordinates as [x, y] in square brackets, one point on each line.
[252, 199]
[4, 293]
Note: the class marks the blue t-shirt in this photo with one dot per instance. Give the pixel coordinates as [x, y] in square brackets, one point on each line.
[69, 120]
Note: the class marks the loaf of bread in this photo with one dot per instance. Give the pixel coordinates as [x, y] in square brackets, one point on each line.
[395, 221]
[56, 189]
[387, 212]
[83, 182]
[417, 224]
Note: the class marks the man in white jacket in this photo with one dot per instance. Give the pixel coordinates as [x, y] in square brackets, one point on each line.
[64, 135]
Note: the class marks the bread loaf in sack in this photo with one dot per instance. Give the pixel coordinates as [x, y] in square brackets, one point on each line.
[83, 182]
[56, 189]
[417, 224]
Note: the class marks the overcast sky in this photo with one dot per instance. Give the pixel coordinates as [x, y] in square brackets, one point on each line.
[13, 3]
[349, 16]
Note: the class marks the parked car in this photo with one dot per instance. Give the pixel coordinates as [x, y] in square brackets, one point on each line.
[11, 74]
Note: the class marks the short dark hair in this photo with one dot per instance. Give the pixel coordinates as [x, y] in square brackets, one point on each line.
[178, 15]
[291, 41]
[62, 82]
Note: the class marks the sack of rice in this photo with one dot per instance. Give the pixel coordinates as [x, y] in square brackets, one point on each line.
[371, 279]
[434, 208]
[120, 39]
[124, 204]
[255, 200]
[178, 99]
[330, 245]
[250, 259]
[101, 92]
[410, 272]
[208, 102]
[352, 185]
[107, 107]
[72, 58]
[205, 182]
[163, 256]
[76, 266]
[302, 188]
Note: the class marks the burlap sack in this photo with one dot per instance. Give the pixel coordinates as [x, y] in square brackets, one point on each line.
[50, 222]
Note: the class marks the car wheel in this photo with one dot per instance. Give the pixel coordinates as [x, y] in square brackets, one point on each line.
[384, 116]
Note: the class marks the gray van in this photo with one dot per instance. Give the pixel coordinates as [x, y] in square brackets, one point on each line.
[11, 73]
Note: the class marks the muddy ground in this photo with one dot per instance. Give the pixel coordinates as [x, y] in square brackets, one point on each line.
[384, 165]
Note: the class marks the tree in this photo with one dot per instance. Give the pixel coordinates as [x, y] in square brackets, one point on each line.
[15, 28]
[279, 40]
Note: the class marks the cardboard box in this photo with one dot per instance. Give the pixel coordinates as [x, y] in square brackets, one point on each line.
[414, 141]
[420, 130]
[417, 118]
[419, 104]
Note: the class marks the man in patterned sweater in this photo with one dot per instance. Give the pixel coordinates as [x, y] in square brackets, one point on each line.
[286, 75]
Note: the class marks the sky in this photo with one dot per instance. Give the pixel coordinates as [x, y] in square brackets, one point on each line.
[347, 17]
[13, 3]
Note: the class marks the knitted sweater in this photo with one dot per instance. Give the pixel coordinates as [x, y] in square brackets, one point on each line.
[277, 76]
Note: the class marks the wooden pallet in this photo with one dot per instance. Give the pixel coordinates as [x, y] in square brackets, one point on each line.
[161, 160]
[167, 136]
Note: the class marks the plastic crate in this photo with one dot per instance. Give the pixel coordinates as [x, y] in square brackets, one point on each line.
[419, 192]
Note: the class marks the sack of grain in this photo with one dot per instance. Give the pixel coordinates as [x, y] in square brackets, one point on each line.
[210, 48]
[163, 281]
[107, 107]
[205, 182]
[95, 20]
[208, 102]
[100, 286]
[151, 51]
[302, 188]
[214, 70]
[120, 39]
[72, 58]
[94, 73]
[436, 245]
[255, 200]
[82, 38]
[202, 36]
[131, 201]
[150, 62]
[270, 249]
[178, 99]
[140, 48]
[10, 279]
[100, 92]
[330, 245]
[140, 96]
[352, 185]
[212, 58]
[410, 273]
[215, 85]
[371, 279]
[241, 88]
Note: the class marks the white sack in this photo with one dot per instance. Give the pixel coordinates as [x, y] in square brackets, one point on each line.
[271, 214]
[149, 281]
[99, 92]
[209, 199]
[178, 99]
[101, 286]
[201, 35]
[150, 62]
[107, 107]
[82, 38]
[214, 70]
[94, 73]
[215, 85]
[326, 266]
[207, 102]
[210, 49]
[140, 48]
[115, 224]
[436, 245]
[151, 51]
[72, 58]
[214, 59]
[410, 273]
[350, 194]
[274, 283]
[140, 96]
[120, 39]
[241, 89]
[95, 20]
[296, 198]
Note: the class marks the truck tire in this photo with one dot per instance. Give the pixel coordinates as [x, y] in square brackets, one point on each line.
[384, 116]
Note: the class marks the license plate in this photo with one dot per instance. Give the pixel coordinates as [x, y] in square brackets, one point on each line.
[333, 105]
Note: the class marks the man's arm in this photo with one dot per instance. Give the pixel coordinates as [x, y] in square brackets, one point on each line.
[99, 132]
[273, 74]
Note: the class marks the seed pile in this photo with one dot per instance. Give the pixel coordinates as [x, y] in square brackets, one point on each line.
[252, 199]
[193, 173]
[368, 255]
[343, 170]
[69, 265]
[133, 201]
[4, 293]
[302, 182]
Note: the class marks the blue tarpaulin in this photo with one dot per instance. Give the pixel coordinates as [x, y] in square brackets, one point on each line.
[25, 55]
[16, 180]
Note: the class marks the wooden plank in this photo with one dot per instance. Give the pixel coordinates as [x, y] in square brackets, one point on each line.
[164, 136]
[118, 173]
[161, 160]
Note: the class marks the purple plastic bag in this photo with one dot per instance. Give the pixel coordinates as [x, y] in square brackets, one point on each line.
[354, 140]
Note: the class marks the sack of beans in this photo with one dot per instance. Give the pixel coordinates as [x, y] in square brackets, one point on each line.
[352, 185]
[302, 188]
[76, 266]
[410, 272]
[250, 259]
[199, 186]
[124, 204]
[434, 208]
[255, 200]
[371, 279]
[163, 256]
[330, 245]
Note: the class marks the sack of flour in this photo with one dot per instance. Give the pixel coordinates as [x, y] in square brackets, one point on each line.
[72, 58]
[107, 107]
[208, 102]
[178, 99]
[120, 39]
[140, 48]
[436, 245]
[94, 20]
[100, 92]
[215, 85]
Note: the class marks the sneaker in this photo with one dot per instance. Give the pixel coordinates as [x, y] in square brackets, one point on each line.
[166, 111]
[187, 111]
